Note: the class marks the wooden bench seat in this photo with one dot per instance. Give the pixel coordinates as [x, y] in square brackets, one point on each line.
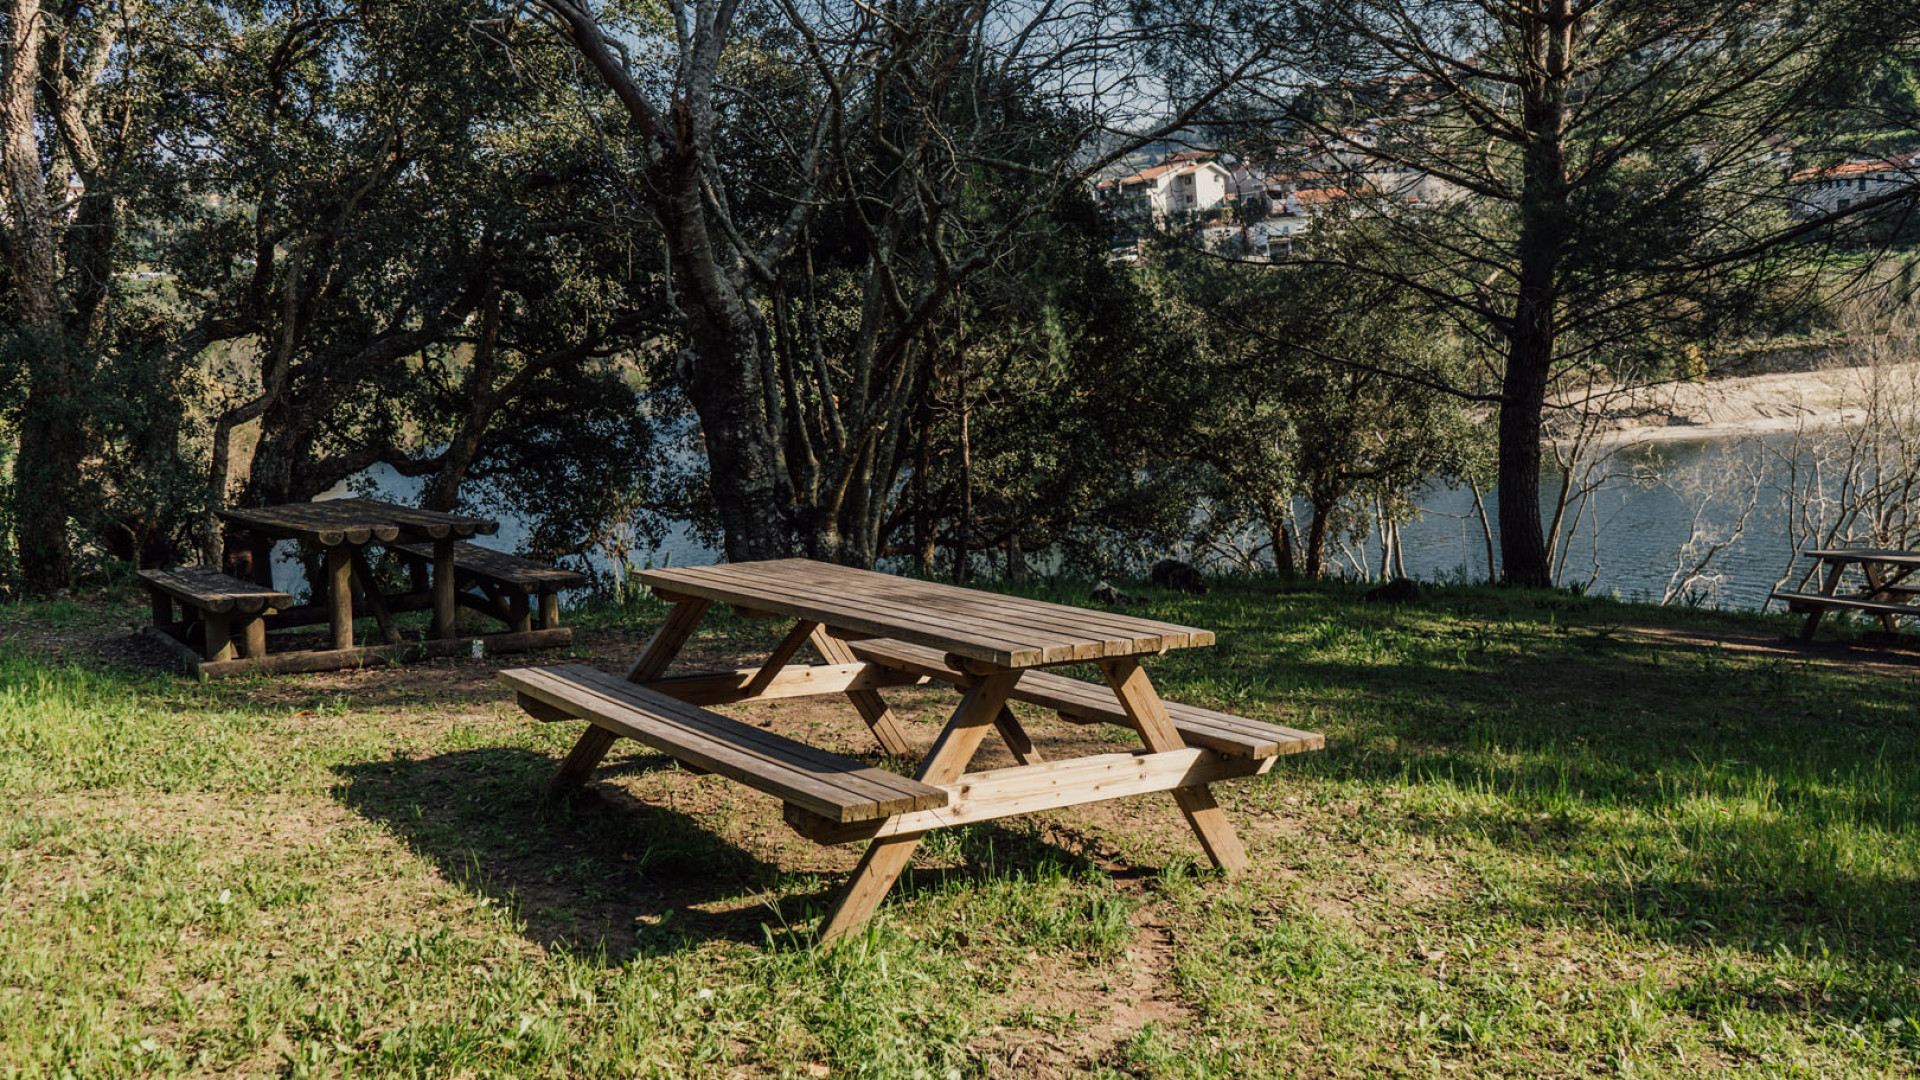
[223, 603]
[207, 589]
[497, 572]
[836, 788]
[1090, 703]
[1806, 602]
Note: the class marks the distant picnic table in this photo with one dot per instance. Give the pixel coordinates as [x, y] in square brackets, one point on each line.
[1884, 591]
[446, 571]
[875, 631]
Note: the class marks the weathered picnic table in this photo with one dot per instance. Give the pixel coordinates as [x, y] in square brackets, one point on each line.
[1885, 593]
[450, 573]
[875, 631]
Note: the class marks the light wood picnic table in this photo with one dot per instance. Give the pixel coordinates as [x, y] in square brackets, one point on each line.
[1885, 593]
[876, 631]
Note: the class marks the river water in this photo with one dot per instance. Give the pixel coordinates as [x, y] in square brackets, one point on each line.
[1627, 542]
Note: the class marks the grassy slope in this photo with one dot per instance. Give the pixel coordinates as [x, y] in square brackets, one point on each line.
[1541, 843]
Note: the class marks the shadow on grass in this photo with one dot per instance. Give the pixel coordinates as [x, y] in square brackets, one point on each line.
[607, 876]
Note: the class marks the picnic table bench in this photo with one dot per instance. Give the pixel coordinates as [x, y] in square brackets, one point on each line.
[873, 632]
[502, 585]
[1885, 593]
[213, 605]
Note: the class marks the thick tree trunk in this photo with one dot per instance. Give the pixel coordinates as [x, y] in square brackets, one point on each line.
[1523, 542]
[47, 467]
[1531, 338]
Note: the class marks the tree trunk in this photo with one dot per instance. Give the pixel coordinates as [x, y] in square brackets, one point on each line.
[47, 467]
[1317, 537]
[1531, 338]
[1523, 542]
[725, 378]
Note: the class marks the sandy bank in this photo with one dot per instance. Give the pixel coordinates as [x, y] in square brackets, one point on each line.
[1750, 405]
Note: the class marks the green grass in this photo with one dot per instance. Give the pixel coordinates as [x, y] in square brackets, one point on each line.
[1547, 838]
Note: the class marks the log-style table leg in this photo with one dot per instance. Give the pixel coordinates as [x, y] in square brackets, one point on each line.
[1149, 716]
[886, 857]
[660, 651]
[340, 595]
[443, 588]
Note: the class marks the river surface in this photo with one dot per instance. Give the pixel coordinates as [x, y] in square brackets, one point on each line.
[1626, 543]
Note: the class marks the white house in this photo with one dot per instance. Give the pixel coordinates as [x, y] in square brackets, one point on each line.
[1826, 191]
[1178, 185]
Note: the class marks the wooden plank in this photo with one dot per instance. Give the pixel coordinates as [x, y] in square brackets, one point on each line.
[1890, 556]
[430, 524]
[1149, 717]
[827, 784]
[1027, 789]
[1019, 743]
[1084, 702]
[207, 589]
[322, 524]
[880, 865]
[502, 567]
[594, 742]
[866, 701]
[997, 631]
[585, 687]
[309, 660]
[727, 687]
[860, 615]
[781, 655]
[1093, 634]
[1797, 601]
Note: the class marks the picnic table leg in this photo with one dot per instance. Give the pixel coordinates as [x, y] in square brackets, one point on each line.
[1149, 716]
[162, 607]
[443, 588]
[871, 706]
[219, 631]
[1019, 743]
[660, 651]
[886, 857]
[254, 636]
[1874, 587]
[340, 595]
[1827, 588]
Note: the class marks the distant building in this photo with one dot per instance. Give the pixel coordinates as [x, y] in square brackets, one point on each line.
[1184, 183]
[1829, 190]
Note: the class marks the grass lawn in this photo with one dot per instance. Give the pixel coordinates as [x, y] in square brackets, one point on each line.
[1550, 836]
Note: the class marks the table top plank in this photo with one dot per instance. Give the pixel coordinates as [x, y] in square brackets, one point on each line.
[332, 522]
[998, 630]
[1890, 556]
[1096, 631]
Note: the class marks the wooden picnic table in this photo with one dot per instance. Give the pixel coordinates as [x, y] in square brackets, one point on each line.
[874, 631]
[344, 529]
[448, 572]
[1885, 593]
